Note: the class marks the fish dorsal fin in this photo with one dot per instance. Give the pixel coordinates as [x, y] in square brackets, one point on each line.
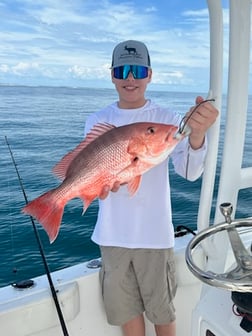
[60, 169]
[97, 130]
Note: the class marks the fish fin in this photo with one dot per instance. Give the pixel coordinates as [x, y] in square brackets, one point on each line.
[99, 129]
[61, 168]
[47, 212]
[86, 203]
[134, 184]
[87, 200]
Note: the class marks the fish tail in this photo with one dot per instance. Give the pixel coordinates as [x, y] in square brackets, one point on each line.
[48, 213]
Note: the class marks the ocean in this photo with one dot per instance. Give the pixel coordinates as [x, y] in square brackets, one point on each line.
[42, 124]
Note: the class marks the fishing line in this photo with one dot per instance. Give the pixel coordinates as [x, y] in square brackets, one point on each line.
[10, 216]
[53, 290]
[185, 119]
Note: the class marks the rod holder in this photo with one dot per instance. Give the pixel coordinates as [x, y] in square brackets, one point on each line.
[226, 210]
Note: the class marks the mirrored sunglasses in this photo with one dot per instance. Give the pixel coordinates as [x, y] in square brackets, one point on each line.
[138, 71]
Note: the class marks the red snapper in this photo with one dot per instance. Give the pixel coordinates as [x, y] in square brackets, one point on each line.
[107, 154]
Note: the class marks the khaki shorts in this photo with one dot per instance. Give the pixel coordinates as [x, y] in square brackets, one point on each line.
[134, 281]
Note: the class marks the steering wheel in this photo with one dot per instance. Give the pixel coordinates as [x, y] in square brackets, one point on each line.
[240, 277]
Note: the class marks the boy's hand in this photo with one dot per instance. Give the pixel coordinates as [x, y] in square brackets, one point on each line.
[201, 119]
[105, 191]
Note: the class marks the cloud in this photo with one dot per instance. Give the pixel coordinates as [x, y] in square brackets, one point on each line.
[90, 73]
[4, 68]
[20, 68]
[74, 40]
[171, 77]
[200, 15]
[24, 68]
[151, 9]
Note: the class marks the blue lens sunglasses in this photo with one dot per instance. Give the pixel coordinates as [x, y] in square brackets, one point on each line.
[138, 71]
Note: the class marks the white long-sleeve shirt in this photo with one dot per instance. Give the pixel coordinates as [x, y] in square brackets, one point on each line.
[145, 219]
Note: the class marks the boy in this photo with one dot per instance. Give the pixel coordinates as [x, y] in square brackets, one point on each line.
[135, 234]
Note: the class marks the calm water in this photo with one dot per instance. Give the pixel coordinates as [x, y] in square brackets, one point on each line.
[41, 125]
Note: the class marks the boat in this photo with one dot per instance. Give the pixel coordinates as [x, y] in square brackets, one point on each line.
[214, 267]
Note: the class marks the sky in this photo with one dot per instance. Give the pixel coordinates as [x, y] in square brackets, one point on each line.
[69, 43]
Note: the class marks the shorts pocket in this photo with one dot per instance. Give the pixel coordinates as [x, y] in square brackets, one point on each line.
[171, 279]
[101, 279]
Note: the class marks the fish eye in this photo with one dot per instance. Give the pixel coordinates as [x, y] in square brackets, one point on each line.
[150, 130]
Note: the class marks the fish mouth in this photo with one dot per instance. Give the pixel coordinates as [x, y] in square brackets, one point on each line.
[180, 135]
[167, 138]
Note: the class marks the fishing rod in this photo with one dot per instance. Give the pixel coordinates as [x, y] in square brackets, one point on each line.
[53, 290]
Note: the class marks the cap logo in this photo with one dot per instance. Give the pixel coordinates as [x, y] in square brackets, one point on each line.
[130, 50]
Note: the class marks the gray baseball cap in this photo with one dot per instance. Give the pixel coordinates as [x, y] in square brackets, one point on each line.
[131, 53]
